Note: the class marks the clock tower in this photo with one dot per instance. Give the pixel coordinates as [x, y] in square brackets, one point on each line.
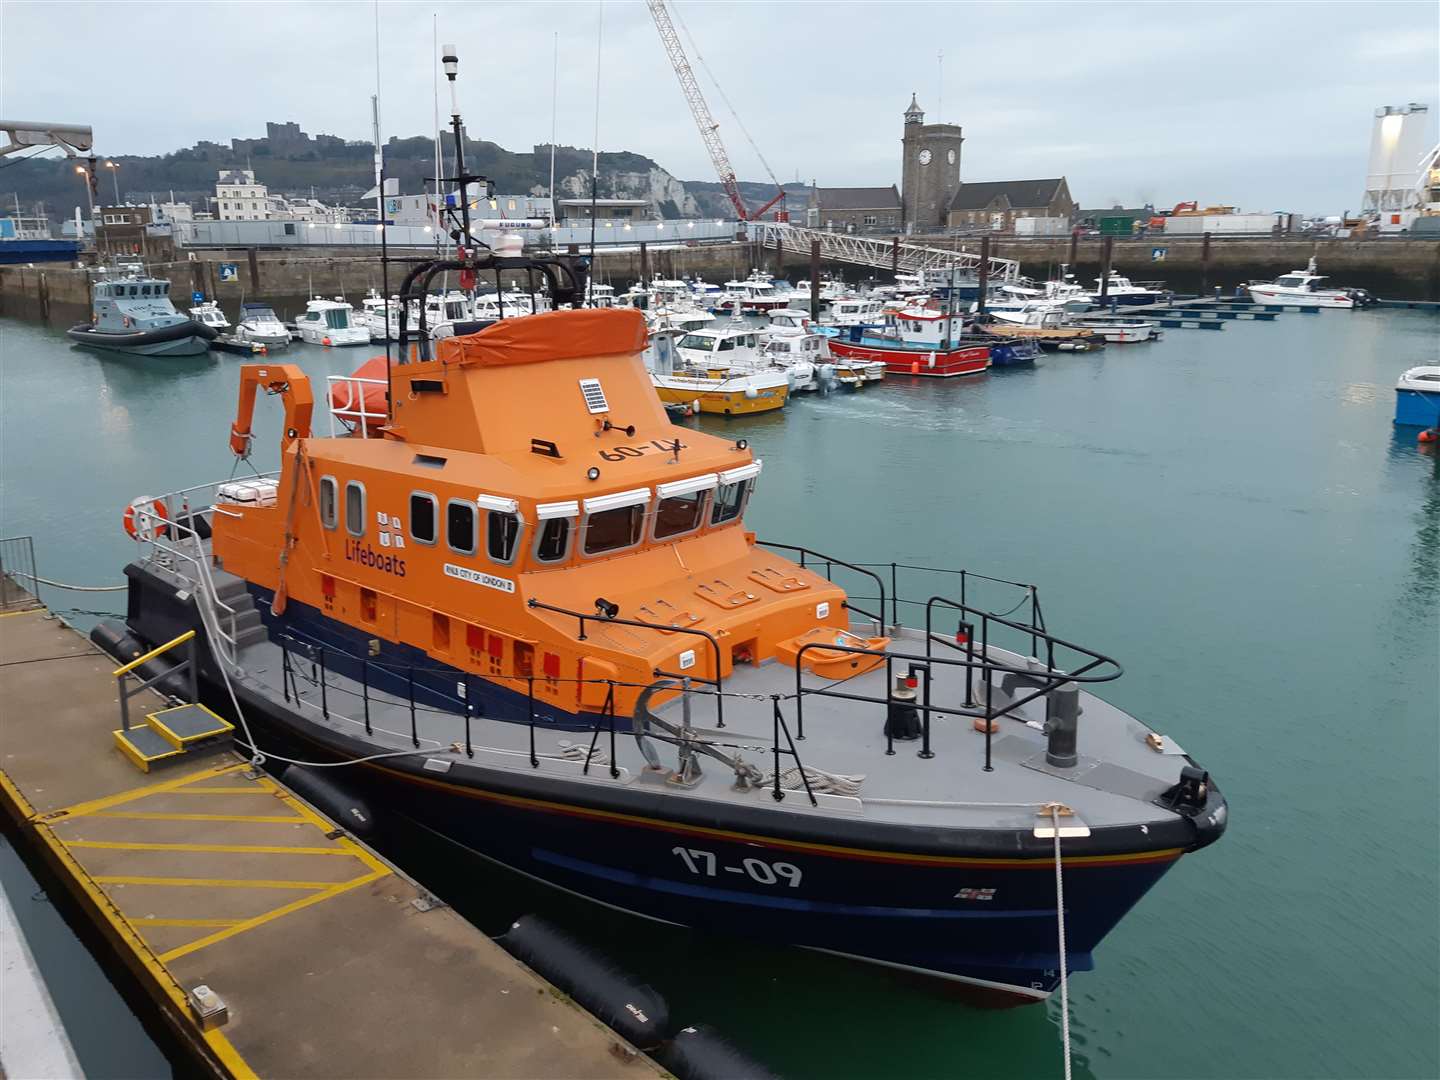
[930, 169]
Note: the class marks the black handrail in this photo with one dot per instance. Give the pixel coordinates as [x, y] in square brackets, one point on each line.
[830, 559]
[718, 681]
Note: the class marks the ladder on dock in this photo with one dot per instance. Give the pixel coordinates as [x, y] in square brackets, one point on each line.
[877, 252]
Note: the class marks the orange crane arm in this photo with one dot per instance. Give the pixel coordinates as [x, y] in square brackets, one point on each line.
[293, 386]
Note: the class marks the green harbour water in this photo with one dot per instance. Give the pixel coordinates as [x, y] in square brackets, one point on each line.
[1230, 514]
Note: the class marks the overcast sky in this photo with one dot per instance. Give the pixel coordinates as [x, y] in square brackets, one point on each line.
[1264, 105]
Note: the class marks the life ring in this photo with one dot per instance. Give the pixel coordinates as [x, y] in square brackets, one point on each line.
[125, 321]
[140, 518]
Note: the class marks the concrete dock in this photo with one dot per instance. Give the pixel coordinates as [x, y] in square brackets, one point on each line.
[317, 960]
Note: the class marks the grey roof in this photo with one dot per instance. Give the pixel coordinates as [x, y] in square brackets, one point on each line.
[1022, 194]
[858, 198]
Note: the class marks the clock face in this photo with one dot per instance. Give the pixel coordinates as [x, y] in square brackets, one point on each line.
[924, 157]
[950, 156]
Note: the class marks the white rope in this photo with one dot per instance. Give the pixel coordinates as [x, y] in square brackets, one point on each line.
[819, 780]
[1060, 922]
[578, 752]
[63, 585]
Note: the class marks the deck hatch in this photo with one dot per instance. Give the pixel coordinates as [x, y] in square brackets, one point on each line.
[594, 395]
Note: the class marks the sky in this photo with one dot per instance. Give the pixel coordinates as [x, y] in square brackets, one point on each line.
[1268, 106]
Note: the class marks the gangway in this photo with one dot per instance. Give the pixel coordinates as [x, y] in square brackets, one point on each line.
[877, 252]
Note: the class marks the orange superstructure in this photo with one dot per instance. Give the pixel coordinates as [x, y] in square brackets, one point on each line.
[527, 464]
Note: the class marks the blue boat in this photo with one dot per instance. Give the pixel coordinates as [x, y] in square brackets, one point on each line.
[133, 314]
[1417, 397]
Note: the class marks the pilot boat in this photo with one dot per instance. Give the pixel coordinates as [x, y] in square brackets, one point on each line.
[260, 326]
[522, 610]
[330, 322]
[132, 313]
[1306, 287]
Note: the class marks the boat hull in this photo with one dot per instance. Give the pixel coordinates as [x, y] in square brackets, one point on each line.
[335, 338]
[1262, 294]
[1417, 409]
[182, 339]
[938, 363]
[720, 400]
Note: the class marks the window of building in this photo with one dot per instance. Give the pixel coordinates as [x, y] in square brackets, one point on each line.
[502, 535]
[729, 502]
[328, 515]
[460, 526]
[553, 543]
[871, 219]
[289, 228]
[679, 514]
[355, 508]
[612, 530]
[423, 512]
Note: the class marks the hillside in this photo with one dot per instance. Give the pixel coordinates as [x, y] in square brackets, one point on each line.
[290, 162]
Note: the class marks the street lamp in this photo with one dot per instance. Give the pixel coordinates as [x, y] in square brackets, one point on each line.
[114, 167]
[81, 170]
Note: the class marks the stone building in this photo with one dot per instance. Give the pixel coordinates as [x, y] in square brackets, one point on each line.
[930, 170]
[996, 204]
[854, 209]
[240, 197]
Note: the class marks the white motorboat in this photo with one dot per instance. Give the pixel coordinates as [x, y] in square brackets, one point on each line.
[209, 314]
[1118, 330]
[734, 345]
[1306, 287]
[1417, 397]
[259, 325]
[857, 311]
[696, 374]
[1120, 290]
[331, 322]
[379, 316]
[600, 296]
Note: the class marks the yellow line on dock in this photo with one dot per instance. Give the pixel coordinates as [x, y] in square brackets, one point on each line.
[213, 883]
[139, 793]
[270, 916]
[237, 849]
[142, 815]
[27, 611]
[143, 920]
[249, 789]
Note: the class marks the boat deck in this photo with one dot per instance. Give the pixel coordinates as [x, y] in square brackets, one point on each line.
[206, 874]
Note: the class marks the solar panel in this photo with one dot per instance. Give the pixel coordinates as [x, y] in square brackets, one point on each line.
[594, 396]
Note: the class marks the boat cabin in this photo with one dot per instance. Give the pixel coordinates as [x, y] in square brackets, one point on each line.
[133, 302]
[729, 346]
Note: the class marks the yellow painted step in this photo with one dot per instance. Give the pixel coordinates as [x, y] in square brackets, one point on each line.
[183, 725]
[144, 747]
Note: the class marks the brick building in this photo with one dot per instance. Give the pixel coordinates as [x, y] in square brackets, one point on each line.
[855, 209]
[996, 204]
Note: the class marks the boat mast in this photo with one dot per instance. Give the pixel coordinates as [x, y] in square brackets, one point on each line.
[595, 146]
[554, 104]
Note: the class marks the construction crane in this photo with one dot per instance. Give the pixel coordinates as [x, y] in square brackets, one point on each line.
[709, 129]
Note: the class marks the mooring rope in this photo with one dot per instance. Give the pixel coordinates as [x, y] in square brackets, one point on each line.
[64, 585]
[1060, 923]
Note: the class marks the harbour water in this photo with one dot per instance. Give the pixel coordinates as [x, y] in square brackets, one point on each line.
[1232, 515]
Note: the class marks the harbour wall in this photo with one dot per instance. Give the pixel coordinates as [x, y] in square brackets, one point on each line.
[1400, 269]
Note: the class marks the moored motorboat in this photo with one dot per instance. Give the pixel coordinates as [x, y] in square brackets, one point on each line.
[718, 371]
[259, 324]
[329, 322]
[1417, 397]
[1119, 291]
[915, 341]
[208, 313]
[1306, 287]
[1120, 331]
[132, 313]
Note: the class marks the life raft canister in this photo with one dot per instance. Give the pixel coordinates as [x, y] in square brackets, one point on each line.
[140, 518]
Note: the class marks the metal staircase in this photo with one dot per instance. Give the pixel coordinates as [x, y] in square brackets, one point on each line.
[170, 732]
[879, 253]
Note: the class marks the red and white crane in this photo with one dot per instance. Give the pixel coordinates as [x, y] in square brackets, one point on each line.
[709, 129]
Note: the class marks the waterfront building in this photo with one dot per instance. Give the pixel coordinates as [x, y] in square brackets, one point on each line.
[621, 209]
[996, 204]
[851, 209]
[240, 197]
[930, 170]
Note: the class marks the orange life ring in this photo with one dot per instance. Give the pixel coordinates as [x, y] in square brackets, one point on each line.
[144, 528]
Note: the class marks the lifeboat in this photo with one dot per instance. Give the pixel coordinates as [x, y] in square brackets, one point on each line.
[515, 605]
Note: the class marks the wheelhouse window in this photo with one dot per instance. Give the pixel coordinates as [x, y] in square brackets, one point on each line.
[329, 514]
[502, 536]
[679, 514]
[612, 530]
[700, 342]
[355, 508]
[460, 526]
[423, 512]
[729, 502]
[553, 543]
[337, 318]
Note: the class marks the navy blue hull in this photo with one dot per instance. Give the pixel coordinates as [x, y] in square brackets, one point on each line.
[972, 905]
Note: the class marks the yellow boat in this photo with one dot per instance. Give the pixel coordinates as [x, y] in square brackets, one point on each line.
[721, 389]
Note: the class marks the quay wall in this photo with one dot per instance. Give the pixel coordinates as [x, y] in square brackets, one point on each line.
[1399, 268]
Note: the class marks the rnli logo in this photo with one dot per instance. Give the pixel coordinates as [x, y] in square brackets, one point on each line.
[475, 577]
[975, 894]
[365, 555]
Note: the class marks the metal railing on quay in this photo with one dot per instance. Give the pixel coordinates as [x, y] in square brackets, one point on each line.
[19, 587]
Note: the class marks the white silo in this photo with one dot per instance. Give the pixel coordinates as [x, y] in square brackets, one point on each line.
[1397, 147]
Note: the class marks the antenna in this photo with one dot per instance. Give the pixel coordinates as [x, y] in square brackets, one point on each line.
[554, 103]
[940, 94]
[595, 147]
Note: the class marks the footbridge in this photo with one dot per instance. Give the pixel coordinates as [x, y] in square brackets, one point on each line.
[894, 254]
